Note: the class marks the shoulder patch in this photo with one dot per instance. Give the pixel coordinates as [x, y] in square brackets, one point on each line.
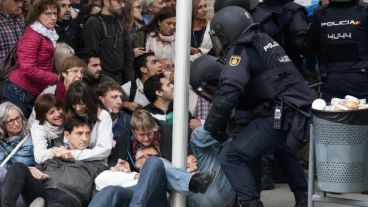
[234, 60]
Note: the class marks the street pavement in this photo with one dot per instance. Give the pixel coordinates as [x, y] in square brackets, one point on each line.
[281, 196]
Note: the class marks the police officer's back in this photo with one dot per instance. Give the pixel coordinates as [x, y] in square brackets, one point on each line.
[284, 20]
[257, 74]
[338, 36]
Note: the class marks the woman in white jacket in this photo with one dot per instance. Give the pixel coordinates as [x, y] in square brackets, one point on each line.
[47, 129]
[80, 101]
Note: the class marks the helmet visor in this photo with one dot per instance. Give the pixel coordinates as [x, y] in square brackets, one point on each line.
[217, 45]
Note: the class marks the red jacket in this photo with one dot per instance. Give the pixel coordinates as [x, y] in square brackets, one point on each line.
[35, 54]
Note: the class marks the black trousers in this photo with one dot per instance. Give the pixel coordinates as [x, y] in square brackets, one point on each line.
[19, 181]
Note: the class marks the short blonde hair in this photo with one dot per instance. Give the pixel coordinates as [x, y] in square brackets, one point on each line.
[62, 51]
[142, 120]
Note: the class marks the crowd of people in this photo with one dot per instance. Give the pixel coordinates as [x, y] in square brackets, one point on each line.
[86, 116]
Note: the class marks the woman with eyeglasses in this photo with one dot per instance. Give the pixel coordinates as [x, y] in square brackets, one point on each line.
[72, 69]
[34, 54]
[13, 132]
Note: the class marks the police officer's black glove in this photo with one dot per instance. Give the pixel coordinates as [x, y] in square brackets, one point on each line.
[217, 118]
[220, 136]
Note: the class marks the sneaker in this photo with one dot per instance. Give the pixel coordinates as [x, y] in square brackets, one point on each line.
[200, 181]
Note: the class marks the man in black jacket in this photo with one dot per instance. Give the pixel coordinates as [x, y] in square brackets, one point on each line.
[65, 26]
[106, 33]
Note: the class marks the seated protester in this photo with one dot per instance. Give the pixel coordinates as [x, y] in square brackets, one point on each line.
[198, 106]
[110, 94]
[62, 51]
[13, 132]
[159, 91]
[145, 66]
[168, 68]
[60, 183]
[93, 75]
[206, 149]
[122, 173]
[71, 71]
[145, 134]
[146, 188]
[47, 129]
[80, 101]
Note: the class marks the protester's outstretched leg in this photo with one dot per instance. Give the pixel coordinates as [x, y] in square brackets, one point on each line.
[112, 196]
[220, 193]
[151, 187]
[177, 179]
[19, 180]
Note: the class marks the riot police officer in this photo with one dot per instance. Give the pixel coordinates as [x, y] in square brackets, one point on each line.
[338, 37]
[258, 76]
[284, 20]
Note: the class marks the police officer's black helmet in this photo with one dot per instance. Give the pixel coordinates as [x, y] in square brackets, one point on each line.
[227, 25]
[204, 76]
[248, 5]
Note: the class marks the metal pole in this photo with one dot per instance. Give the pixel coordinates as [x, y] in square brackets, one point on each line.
[311, 168]
[181, 78]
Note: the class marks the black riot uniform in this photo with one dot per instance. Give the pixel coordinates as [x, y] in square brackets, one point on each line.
[338, 37]
[259, 77]
[284, 20]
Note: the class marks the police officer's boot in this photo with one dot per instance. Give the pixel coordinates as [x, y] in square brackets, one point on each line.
[267, 180]
[252, 204]
[301, 199]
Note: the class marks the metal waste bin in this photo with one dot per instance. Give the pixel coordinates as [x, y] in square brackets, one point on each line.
[341, 150]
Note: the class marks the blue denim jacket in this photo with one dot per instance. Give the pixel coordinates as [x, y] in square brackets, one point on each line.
[23, 155]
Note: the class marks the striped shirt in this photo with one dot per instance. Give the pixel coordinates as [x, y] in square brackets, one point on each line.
[11, 29]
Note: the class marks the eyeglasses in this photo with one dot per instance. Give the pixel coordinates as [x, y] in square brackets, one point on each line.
[50, 14]
[75, 71]
[144, 134]
[11, 122]
[202, 7]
